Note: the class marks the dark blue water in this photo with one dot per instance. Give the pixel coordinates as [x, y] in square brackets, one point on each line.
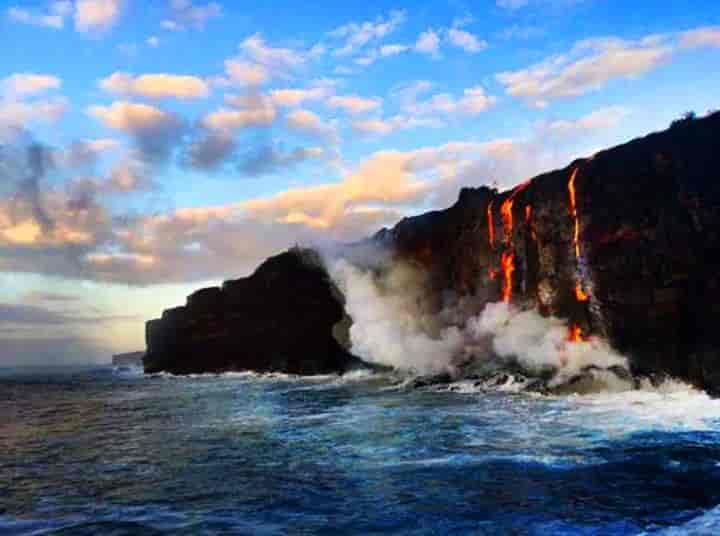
[109, 452]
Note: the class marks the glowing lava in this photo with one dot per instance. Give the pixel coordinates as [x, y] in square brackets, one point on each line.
[528, 221]
[580, 293]
[507, 263]
[575, 334]
[506, 211]
[574, 213]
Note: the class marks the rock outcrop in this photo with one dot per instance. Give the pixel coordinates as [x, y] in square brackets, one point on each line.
[286, 317]
[625, 245]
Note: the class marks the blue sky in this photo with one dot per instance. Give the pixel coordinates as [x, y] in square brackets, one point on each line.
[183, 141]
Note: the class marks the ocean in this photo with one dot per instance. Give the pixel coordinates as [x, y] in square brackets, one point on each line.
[110, 451]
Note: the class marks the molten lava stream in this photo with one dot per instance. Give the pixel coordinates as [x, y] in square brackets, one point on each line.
[528, 222]
[574, 213]
[575, 334]
[580, 293]
[507, 263]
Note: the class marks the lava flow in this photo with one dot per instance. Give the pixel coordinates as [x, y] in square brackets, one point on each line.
[528, 221]
[507, 263]
[574, 213]
[580, 294]
[506, 211]
[575, 334]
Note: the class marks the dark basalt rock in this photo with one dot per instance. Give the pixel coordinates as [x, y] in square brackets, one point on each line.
[280, 319]
[649, 237]
[648, 229]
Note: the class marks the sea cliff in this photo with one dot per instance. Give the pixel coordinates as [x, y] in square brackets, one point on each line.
[624, 245]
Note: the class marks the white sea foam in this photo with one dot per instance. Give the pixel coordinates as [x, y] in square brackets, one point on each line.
[672, 405]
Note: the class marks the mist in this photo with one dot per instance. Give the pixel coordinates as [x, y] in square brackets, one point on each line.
[395, 324]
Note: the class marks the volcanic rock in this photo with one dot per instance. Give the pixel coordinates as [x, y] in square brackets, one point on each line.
[642, 246]
[624, 245]
[282, 318]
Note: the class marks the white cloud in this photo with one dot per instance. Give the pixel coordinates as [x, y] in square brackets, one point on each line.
[320, 89]
[589, 66]
[152, 41]
[275, 59]
[171, 26]
[392, 50]
[428, 43]
[244, 73]
[156, 86]
[17, 114]
[701, 37]
[604, 118]
[308, 122]
[384, 127]
[358, 35]
[24, 84]
[253, 112]
[128, 116]
[97, 15]
[354, 104]
[465, 40]
[258, 63]
[184, 13]
[154, 131]
[53, 18]
[473, 101]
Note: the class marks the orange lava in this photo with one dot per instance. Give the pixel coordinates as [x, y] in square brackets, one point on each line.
[580, 293]
[574, 213]
[506, 211]
[491, 225]
[507, 263]
[575, 334]
[528, 221]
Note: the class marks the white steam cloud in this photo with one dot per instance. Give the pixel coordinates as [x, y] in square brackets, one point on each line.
[389, 326]
[394, 324]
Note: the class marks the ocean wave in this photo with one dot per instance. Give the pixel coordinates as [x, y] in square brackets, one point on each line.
[706, 524]
[670, 405]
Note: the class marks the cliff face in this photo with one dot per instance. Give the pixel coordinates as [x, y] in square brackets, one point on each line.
[281, 318]
[625, 245]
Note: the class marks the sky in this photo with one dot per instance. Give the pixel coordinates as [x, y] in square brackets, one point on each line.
[148, 149]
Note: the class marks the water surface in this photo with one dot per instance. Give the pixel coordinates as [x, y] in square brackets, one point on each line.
[105, 451]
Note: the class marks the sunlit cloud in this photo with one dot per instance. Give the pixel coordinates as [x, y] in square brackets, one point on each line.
[589, 66]
[97, 15]
[156, 86]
